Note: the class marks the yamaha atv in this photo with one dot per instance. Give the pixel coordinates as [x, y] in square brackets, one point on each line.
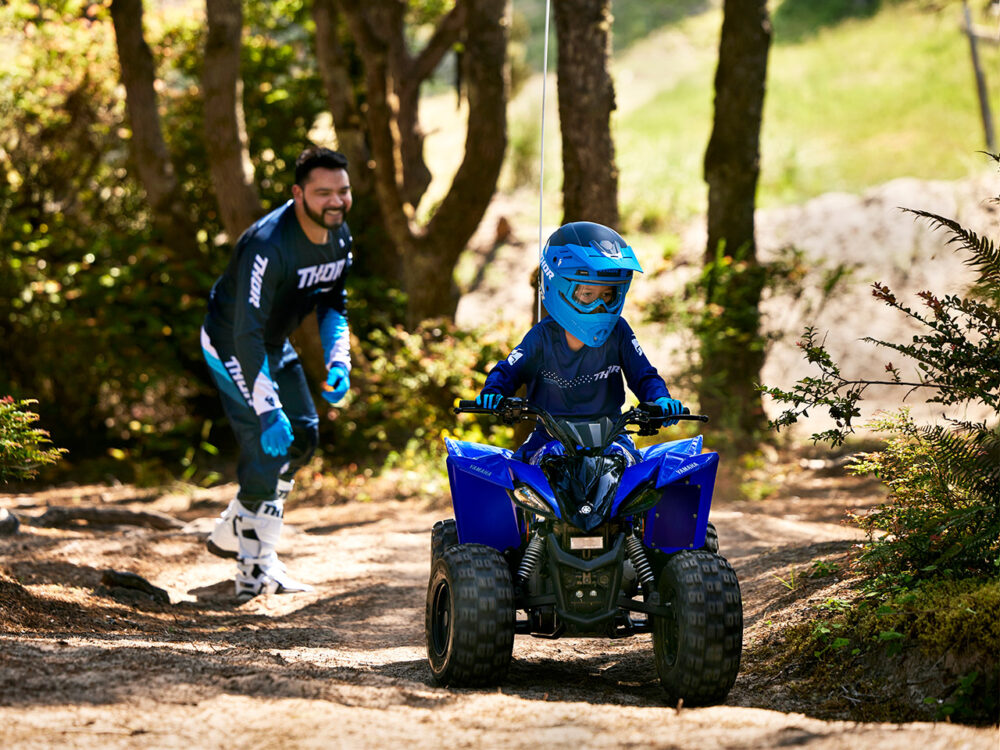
[583, 545]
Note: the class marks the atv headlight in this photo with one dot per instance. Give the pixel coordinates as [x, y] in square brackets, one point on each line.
[530, 500]
[641, 500]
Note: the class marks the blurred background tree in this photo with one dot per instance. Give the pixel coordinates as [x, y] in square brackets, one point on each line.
[130, 162]
[121, 204]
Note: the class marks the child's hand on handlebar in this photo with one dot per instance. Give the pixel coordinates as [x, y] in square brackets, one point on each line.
[671, 407]
[489, 400]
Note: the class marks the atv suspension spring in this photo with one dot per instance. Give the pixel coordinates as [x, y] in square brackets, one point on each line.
[532, 554]
[637, 555]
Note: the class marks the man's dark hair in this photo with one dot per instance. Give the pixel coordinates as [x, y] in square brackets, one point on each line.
[316, 157]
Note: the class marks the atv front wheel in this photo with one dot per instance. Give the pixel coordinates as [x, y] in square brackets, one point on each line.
[697, 646]
[444, 534]
[470, 616]
[711, 538]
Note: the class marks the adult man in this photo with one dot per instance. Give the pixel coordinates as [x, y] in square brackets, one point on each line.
[290, 262]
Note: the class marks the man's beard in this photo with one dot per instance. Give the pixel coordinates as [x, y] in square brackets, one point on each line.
[329, 219]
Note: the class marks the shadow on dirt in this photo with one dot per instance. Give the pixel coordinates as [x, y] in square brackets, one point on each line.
[333, 528]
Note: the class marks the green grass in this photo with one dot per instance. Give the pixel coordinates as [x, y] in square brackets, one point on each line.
[858, 93]
[855, 104]
[633, 20]
[868, 100]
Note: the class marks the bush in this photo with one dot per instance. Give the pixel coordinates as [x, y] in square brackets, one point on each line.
[405, 385]
[99, 320]
[942, 514]
[23, 448]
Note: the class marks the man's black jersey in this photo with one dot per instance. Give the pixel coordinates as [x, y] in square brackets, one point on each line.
[275, 277]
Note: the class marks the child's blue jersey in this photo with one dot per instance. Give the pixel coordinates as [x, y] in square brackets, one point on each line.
[585, 383]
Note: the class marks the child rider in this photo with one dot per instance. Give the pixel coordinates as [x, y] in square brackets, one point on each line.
[575, 359]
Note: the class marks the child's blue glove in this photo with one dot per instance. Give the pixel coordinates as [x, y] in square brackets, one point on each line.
[338, 382]
[671, 407]
[489, 400]
[276, 434]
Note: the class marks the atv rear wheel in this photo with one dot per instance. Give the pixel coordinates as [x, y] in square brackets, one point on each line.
[470, 616]
[444, 534]
[697, 647]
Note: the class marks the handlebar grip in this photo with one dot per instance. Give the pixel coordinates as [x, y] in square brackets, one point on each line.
[471, 407]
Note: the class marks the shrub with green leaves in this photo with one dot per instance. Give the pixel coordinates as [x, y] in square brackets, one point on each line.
[942, 514]
[99, 320]
[405, 385]
[23, 446]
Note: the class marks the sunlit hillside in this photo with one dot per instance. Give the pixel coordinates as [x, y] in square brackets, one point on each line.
[855, 98]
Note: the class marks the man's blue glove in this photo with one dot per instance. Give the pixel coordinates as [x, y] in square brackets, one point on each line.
[671, 407]
[338, 382]
[489, 400]
[276, 432]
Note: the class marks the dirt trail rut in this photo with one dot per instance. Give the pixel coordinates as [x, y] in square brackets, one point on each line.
[83, 666]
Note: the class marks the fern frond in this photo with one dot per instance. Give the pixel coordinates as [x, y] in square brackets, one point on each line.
[984, 254]
[970, 461]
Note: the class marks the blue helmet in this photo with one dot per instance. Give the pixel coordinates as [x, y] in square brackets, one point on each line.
[584, 254]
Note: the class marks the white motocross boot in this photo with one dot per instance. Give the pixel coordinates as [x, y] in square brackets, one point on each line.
[222, 541]
[258, 570]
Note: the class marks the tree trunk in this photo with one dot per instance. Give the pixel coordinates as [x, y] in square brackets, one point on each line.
[586, 101]
[431, 252]
[149, 151]
[377, 255]
[334, 69]
[732, 348]
[225, 129]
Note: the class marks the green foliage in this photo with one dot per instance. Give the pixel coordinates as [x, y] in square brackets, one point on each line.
[957, 618]
[945, 632]
[23, 448]
[787, 274]
[406, 384]
[941, 517]
[956, 356]
[90, 309]
[789, 583]
[823, 568]
[98, 318]
[937, 616]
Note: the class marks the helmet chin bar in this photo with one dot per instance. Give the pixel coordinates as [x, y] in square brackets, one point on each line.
[592, 329]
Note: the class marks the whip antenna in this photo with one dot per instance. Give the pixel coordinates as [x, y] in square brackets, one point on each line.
[541, 156]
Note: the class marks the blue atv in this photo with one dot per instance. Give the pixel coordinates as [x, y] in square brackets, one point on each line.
[583, 545]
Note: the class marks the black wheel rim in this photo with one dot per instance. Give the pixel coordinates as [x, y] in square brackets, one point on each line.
[441, 618]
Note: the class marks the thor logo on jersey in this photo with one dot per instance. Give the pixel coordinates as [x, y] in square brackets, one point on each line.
[320, 274]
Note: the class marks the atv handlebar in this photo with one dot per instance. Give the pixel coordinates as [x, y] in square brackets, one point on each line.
[648, 417]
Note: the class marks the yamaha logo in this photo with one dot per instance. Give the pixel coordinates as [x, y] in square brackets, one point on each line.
[586, 509]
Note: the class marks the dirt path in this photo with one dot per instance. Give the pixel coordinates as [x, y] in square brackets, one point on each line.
[83, 666]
